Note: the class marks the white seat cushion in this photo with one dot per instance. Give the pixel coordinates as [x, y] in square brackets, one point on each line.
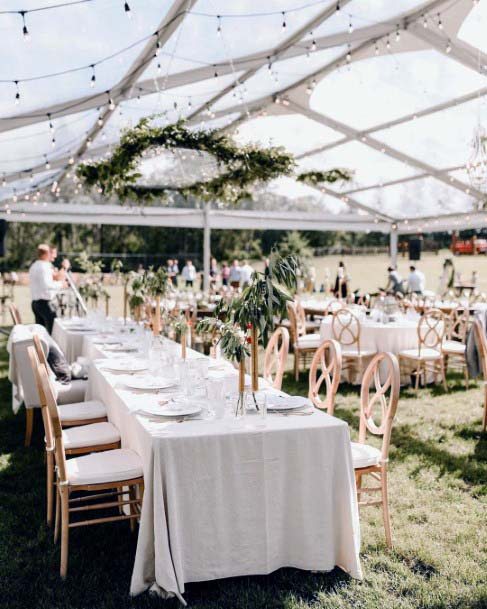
[354, 353]
[80, 411]
[108, 466]
[309, 341]
[94, 434]
[426, 353]
[364, 455]
[453, 346]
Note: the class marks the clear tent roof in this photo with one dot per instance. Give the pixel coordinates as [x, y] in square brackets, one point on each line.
[392, 91]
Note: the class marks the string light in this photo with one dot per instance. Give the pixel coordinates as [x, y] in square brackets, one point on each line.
[284, 25]
[93, 76]
[216, 73]
[158, 46]
[376, 48]
[48, 165]
[313, 42]
[425, 22]
[111, 103]
[349, 54]
[127, 10]
[219, 27]
[53, 142]
[388, 44]
[4, 182]
[25, 31]
[17, 93]
[350, 26]
[440, 24]
[398, 34]
[51, 126]
[448, 47]
[338, 6]
[100, 121]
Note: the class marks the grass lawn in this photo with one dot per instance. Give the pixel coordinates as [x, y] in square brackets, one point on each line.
[438, 489]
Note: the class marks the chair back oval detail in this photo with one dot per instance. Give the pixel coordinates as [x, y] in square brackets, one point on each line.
[431, 329]
[379, 395]
[275, 357]
[346, 328]
[326, 367]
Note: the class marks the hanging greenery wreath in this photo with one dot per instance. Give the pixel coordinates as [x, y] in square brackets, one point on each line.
[315, 178]
[244, 166]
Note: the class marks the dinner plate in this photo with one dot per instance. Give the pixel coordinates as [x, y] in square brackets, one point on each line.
[119, 348]
[149, 384]
[124, 366]
[170, 411]
[100, 340]
[286, 402]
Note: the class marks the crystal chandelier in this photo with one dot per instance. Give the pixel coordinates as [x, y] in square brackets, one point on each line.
[477, 164]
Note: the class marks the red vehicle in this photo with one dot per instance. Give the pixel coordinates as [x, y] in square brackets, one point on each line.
[468, 246]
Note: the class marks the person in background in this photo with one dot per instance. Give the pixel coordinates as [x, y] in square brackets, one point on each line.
[43, 287]
[394, 281]
[234, 276]
[245, 273]
[447, 278]
[416, 281]
[225, 273]
[189, 273]
[341, 281]
[214, 272]
[170, 274]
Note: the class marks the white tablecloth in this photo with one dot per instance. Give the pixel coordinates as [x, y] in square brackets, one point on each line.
[70, 342]
[225, 498]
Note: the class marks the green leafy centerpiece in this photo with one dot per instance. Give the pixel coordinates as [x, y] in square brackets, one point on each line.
[157, 286]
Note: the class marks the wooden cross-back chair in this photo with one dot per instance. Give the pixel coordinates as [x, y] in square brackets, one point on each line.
[345, 327]
[305, 326]
[326, 368]
[427, 356]
[275, 357]
[482, 347]
[14, 314]
[78, 413]
[79, 440]
[454, 347]
[304, 345]
[110, 475]
[379, 396]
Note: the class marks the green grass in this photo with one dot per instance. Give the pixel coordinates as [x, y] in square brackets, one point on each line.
[438, 488]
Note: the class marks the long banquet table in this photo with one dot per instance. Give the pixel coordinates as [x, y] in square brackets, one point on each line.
[226, 497]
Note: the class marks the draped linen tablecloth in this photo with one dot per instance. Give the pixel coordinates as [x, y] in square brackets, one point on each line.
[70, 342]
[225, 498]
[379, 338]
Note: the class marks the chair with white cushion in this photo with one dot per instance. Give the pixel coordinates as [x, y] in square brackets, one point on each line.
[379, 397]
[111, 475]
[427, 357]
[305, 325]
[304, 345]
[76, 413]
[482, 347]
[326, 368]
[77, 440]
[275, 357]
[454, 347]
[345, 327]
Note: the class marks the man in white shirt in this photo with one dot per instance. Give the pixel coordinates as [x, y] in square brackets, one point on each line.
[415, 281]
[245, 273]
[234, 276]
[189, 273]
[43, 287]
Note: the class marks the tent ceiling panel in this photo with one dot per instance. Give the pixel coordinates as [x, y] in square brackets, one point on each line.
[293, 131]
[413, 198]
[30, 146]
[281, 74]
[198, 38]
[26, 185]
[474, 27]
[82, 26]
[368, 166]
[442, 139]
[390, 86]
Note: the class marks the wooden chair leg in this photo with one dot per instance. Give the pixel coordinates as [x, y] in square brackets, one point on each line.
[465, 372]
[64, 532]
[296, 364]
[484, 424]
[57, 517]
[443, 375]
[418, 375]
[50, 486]
[385, 507]
[29, 425]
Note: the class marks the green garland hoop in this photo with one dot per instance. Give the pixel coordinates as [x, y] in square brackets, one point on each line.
[245, 166]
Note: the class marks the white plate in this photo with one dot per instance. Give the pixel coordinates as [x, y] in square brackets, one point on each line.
[173, 410]
[119, 348]
[99, 340]
[149, 384]
[83, 330]
[124, 366]
[288, 402]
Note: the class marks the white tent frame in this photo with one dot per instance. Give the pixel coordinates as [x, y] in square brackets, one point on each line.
[292, 99]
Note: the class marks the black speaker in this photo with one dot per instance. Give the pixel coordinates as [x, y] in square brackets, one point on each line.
[3, 233]
[415, 246]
